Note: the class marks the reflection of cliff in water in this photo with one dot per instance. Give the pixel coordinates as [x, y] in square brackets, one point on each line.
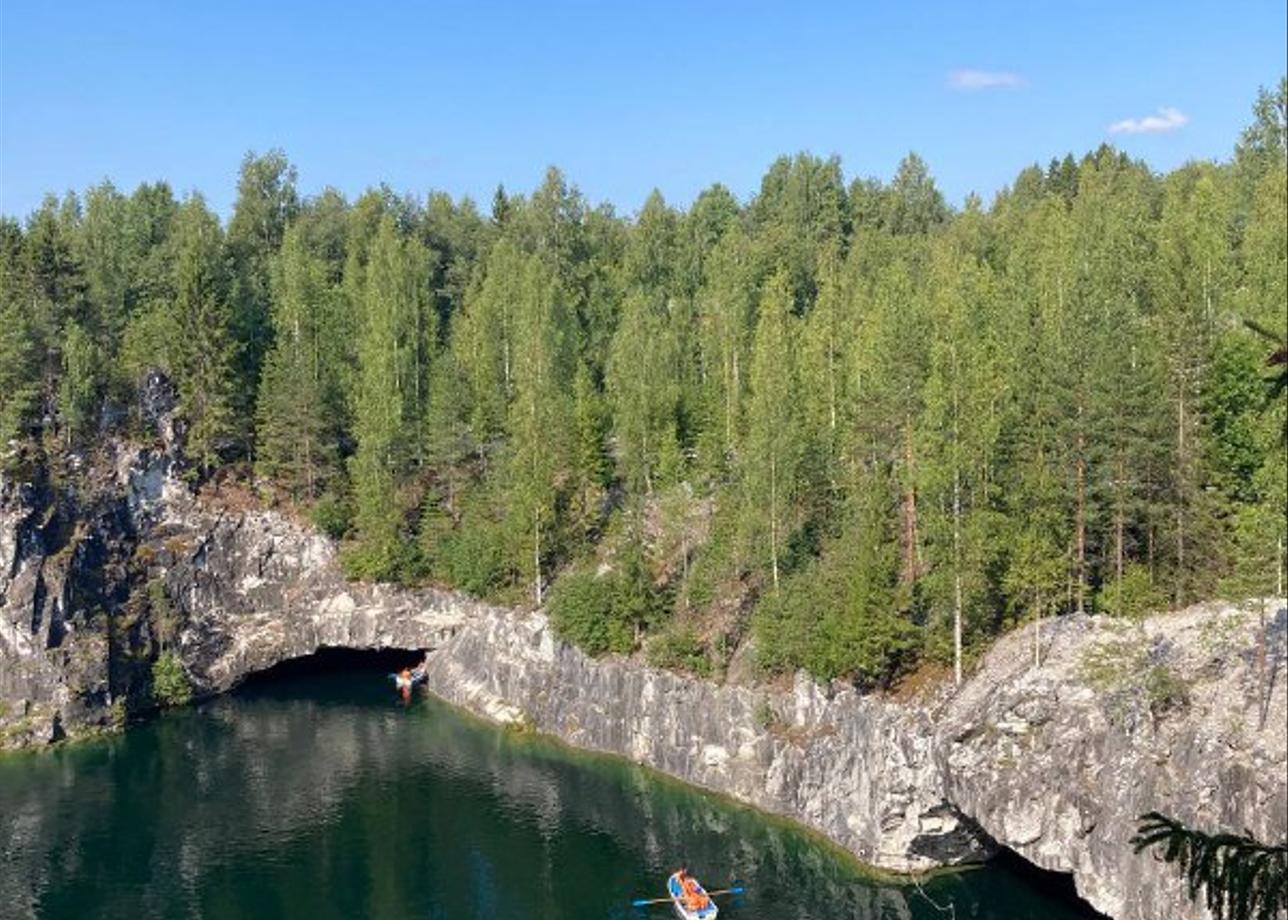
[324, 797]
[665, 824]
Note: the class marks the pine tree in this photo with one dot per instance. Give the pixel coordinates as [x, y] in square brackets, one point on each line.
[769, 465]
[18, 354]
[643, 387]
[823, 359]
[298, 390]
[958, 437]
[390, 396]
[484, 340]
[202, 350]
[538, 424]
[591, 464]
[111, 259]
[78, 390]
[890, 368]
[1191, 278]
[726, 318]
[266, 203]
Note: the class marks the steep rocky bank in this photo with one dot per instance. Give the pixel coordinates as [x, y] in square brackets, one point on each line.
[1054, 762]
[101, 572]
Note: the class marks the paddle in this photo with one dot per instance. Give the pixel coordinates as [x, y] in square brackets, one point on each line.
[645, 902]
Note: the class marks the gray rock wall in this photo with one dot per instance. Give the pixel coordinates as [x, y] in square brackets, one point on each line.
[98, 578]
[1054, 762]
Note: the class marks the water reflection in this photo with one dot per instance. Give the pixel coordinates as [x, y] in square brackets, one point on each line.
[320, 797]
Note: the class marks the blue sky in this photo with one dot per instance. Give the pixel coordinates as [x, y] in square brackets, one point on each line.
[623, 96]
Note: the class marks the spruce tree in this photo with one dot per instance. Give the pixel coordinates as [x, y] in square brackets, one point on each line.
[201, 349]
[298, 390]
[19, 379]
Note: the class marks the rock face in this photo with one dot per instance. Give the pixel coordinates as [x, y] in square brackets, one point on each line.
[1054, 762]
[1184, 713]
[97, 579]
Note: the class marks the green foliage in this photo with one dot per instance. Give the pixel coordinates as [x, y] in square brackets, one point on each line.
[393, 358]
[878, 428]
[78, 389]
[202, 353]
[844, 616]
[332, 514]
[1164, 690]
[1132, 596]
[170, 685]
[477, 556]
[19, 382]
[298, 395]
[764, 715]
[585, 609]
[607, 612]
[679, 650]
[1237, 876]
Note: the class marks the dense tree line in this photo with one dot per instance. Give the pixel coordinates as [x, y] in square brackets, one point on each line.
[846, 418]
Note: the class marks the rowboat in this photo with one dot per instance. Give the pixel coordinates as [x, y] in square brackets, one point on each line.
[707, 910]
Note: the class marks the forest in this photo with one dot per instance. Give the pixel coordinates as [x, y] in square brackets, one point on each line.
[841, 425]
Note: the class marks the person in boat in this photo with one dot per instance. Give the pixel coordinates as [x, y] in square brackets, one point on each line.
[694, 897]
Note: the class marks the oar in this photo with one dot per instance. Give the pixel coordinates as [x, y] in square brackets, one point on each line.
[645, 902]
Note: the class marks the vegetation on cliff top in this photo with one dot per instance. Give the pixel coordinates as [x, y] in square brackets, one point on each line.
[864, 426]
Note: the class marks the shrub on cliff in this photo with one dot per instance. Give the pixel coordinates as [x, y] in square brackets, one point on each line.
[585, 612]
[332, 515]
[170, 686]
[1132, 596]
[606, 613]
[680, 649]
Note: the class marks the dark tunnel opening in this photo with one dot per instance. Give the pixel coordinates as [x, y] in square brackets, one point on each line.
[1056, 885]
[336, 660]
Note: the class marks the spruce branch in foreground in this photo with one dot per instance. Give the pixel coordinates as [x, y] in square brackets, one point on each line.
[1241, 878]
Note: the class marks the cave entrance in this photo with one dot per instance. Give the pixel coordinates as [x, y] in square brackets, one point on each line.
[336, 660]
[1056, 885]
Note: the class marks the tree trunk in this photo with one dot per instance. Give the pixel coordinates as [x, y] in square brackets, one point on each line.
[910, 561]
[957, 538]
[1119, 539]
[1180, 491]
[773, 516]
[957, 579]
[1080, 527]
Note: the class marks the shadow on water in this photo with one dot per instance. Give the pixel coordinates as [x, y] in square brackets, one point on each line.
[1058, 886]
[315, 794]
[335, 660]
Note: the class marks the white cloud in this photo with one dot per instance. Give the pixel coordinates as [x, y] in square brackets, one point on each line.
[1167, 119]
[970, 80]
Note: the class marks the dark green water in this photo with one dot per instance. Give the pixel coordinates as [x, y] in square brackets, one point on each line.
[321, 796]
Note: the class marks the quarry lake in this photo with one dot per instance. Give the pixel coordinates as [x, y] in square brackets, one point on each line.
[319, 795]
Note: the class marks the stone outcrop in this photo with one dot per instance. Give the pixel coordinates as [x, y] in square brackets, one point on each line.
[99, 577]
[100, 572]
[1054, 762]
